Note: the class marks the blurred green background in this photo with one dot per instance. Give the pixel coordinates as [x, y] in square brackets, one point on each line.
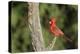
[65, 15]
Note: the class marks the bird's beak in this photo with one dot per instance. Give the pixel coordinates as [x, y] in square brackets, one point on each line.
[49, 22]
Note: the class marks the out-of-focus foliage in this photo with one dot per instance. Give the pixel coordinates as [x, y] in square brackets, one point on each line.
[65, 15]
[20, 34]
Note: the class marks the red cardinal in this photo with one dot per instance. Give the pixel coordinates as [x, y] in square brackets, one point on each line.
[54, 29]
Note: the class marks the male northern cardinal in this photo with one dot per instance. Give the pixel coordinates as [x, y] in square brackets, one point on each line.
[54, 29]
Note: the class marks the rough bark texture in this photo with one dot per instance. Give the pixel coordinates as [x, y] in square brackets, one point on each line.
[35, 27]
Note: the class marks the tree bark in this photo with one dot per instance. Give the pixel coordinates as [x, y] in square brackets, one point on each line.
[35, 27]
